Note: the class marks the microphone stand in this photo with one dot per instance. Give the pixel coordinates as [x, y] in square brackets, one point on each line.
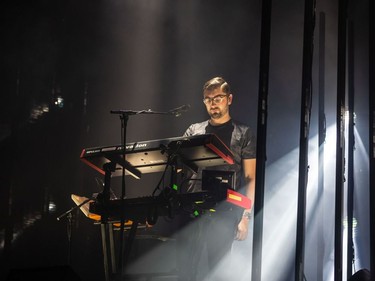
[69, 215]
[124, 117]
[124, 122]
[73, 208]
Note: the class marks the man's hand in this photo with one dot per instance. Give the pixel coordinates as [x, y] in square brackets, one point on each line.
[242, 229]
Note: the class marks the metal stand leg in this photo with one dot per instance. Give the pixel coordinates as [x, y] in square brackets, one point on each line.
[103, 228]
[129, 243]
[112, 248]
[108, 252]
[106, 227]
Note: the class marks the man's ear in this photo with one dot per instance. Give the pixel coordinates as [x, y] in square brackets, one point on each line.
[230, 98]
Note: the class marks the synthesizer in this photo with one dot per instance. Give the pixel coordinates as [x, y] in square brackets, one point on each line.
[151, 156]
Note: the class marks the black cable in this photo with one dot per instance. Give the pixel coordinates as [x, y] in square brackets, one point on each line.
[170, 161]
[161, 178]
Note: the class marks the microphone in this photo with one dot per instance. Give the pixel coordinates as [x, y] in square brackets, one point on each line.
[126, 112]
[179, 110]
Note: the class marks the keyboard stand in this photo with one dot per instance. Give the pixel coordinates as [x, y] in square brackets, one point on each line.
[193, 152]
[107, 239]
[106, 227]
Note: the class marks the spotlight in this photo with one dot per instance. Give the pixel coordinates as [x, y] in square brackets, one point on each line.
[59, 102]
[51, 207]
[37, 111]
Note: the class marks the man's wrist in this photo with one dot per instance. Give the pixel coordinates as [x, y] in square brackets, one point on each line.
[247, 214]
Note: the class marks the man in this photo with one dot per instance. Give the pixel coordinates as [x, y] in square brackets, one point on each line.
[216, 231]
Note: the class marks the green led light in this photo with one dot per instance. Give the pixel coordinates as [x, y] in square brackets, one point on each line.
[196, 213]
[175, 187]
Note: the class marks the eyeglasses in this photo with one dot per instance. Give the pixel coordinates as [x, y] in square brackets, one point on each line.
[216, 99]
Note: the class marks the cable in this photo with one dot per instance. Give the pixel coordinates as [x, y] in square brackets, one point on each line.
[170, 160]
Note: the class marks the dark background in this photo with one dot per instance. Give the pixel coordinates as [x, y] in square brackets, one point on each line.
[104, 55]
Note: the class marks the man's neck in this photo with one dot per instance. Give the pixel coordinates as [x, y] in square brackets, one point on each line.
[219, 121]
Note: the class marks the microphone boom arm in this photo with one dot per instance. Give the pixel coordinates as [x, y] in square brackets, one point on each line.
[176, 111]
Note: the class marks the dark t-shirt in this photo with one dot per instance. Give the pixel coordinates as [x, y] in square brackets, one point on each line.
[237, 136]
[223, 131]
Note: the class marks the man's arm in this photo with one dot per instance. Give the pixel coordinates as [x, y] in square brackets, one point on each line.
[249, 166]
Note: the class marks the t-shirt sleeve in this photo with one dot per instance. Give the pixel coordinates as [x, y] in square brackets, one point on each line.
[196, 129]
[249, 145]
[189, 131]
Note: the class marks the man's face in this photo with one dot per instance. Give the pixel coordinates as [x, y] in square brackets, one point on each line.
[217, 103]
